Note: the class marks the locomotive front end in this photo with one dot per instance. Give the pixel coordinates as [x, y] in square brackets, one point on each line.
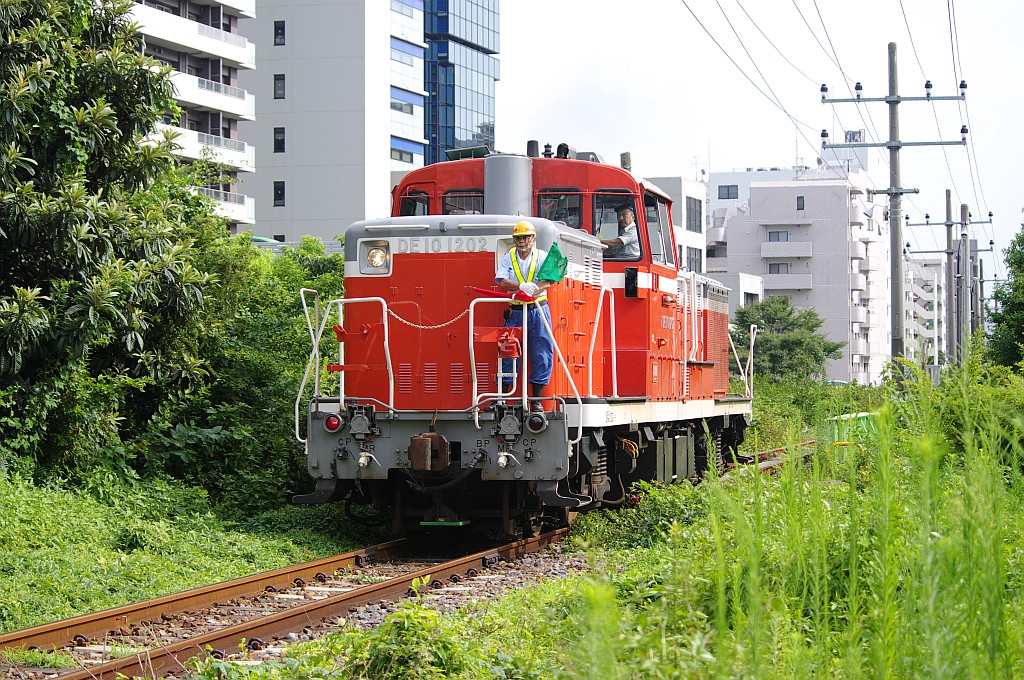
[421, 425]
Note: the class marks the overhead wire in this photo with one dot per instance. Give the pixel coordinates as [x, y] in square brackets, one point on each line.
[972, 166]
[935, 111]
[774, 46]
[738, 67]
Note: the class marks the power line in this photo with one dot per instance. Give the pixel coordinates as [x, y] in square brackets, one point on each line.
[774, 46]
[778, 105]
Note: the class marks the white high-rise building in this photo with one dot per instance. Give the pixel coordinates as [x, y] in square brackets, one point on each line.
[340, 96]
[201, 42]
[925, 308]
[815, 238]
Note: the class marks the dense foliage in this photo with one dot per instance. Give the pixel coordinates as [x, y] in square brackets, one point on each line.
[1006, 343]
[788, 345]
[133, 331]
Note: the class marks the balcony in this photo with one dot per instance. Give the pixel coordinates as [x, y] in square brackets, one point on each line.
[716, 264]
[786, 281]
[245, 8]
[184, 35]
[858, 314]
[858, 250]
[786, 249]
[238, 208]
[858, 282]
[859, 346]
[232, 152]
[213, 96]
[716, 235]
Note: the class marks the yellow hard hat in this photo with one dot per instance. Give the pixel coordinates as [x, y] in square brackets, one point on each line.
[524, 228]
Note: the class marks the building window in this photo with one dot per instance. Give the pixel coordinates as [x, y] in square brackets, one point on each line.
[278, 194]
[726, 191]
[405, 101]
[694, 214]
[400, 155]
[778, 268]
[404, 150]
[778, 236]
[278, 32]
[799, 202]
[403, 8]
[405, 52]
[279, 140]
[278, 86]
[693, 260]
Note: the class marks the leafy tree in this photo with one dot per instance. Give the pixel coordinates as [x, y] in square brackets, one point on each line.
[91, 264]
[1007, 315]
[788, 344]
[99, 293]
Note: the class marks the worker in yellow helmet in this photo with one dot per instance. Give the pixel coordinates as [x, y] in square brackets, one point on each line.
[517, 271]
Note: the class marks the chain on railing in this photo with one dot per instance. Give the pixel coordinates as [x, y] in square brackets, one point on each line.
[428, 328]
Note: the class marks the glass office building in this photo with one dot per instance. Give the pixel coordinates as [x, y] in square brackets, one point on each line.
[460, 73]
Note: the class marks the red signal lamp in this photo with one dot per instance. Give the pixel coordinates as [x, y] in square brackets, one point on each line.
[333, 422]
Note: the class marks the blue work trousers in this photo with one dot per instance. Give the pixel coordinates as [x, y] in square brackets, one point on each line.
[539, 345]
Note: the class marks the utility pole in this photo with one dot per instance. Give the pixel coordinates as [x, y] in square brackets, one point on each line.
[949, 276]
[964, 270]
[953, 324]
[895, 190]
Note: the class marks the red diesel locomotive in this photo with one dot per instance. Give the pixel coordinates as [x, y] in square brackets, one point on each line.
[421, 426]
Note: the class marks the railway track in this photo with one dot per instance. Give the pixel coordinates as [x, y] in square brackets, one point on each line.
[154, 638]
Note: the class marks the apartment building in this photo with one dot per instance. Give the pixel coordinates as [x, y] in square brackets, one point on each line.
[201, 42]
[924, 306]
[339, 86]
[817, 239]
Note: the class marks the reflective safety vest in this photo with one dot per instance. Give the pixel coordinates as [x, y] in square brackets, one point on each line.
[543, 297]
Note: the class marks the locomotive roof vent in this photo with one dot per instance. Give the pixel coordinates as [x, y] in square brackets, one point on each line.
[467, 152]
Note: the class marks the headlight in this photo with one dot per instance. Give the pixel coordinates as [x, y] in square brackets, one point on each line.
[374, 257]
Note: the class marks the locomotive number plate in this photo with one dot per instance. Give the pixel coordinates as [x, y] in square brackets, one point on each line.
[442, 244]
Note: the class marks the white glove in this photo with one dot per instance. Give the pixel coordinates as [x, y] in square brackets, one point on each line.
[529, 287]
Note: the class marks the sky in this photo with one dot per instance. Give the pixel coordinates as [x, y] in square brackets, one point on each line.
[720, 85]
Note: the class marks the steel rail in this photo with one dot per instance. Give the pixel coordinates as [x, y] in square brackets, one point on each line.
[89, 626]
[161, 661]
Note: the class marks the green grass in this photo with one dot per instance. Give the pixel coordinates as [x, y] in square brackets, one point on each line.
[63, 553]
[900, 555]
[37, 658]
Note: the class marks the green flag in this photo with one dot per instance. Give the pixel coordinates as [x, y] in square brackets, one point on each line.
[554, 266]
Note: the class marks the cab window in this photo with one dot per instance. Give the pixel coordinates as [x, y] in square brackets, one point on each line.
[463, 202]
[608, 208]
[561, 205]
[659, 229]
[415, 203]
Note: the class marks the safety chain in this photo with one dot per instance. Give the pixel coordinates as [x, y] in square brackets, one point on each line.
[428, 328]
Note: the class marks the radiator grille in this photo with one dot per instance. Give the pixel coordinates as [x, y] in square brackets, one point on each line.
[430, 378]
[457, 384]
[484, 378]
[405, 378]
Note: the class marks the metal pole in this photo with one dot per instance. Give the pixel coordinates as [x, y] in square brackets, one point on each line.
[895, 218]
[964, 269]
[950, 291]
[935, 320]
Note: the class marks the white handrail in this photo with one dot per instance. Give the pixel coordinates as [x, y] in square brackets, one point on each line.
[593, 342]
